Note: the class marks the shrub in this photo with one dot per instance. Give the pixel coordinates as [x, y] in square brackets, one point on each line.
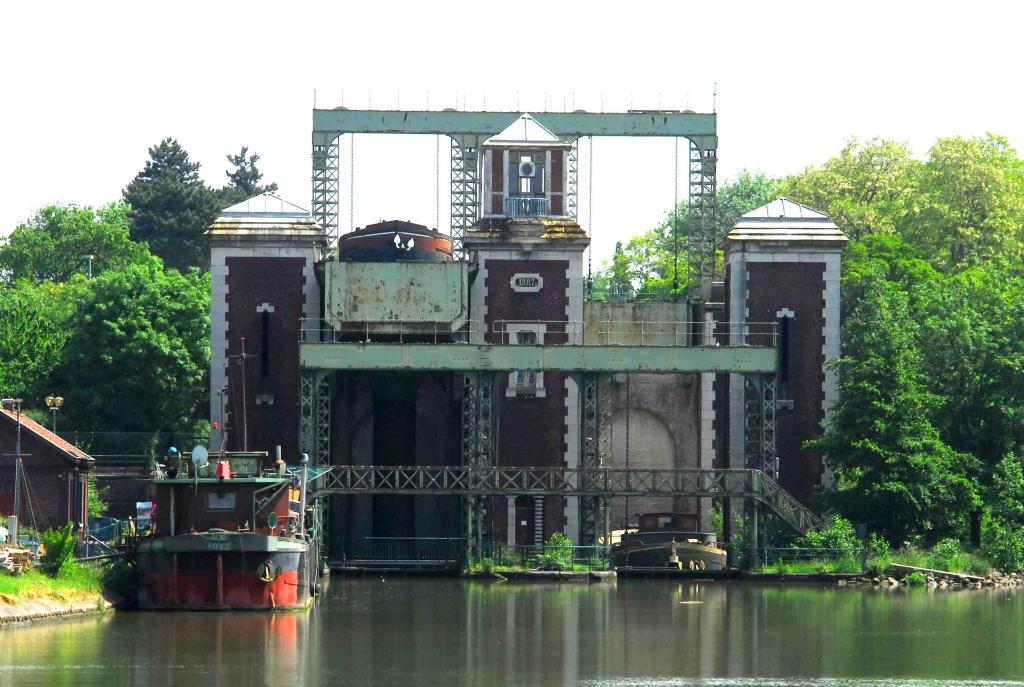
[916, 579]
[1003, 544]
[59, 558]
[558, 553]
[840, 534]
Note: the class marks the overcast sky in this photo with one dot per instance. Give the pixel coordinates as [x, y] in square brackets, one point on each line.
[86, 88]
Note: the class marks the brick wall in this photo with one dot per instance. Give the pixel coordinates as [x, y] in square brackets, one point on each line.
[798, 286]
[251, 283]
[50, 479]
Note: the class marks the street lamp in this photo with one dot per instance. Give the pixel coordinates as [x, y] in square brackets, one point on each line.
[54, 403]
[15, 403]
[90, 259]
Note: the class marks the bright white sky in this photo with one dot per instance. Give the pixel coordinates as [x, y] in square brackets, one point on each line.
[86, 88]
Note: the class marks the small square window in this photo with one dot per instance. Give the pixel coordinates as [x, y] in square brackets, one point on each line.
[215, 501]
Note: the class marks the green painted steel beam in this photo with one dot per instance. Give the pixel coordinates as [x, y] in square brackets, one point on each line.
[466, 357]
[568, 126]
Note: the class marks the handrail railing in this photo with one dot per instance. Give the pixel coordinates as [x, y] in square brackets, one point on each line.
[524, 206]
[610, 482]
[554, 332]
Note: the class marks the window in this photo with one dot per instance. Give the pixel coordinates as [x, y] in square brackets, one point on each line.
[530, 184]
[215, 501]
[525, 382]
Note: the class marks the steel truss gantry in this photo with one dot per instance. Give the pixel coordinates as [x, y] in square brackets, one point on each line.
[605, 483]
[468, 131]
[759, 450]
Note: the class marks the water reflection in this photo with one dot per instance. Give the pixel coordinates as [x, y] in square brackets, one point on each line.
[449, 632]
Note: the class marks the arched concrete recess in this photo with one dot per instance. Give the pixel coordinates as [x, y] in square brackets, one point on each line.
[651, 445]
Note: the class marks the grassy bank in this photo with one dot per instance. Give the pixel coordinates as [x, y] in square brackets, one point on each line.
[82, 584]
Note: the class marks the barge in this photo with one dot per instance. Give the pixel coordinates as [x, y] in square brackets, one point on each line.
[669, 540]
[237, 540]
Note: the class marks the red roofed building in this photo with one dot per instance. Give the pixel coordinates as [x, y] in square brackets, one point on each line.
[56, 473]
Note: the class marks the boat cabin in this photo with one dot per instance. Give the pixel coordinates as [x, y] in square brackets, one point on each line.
[242, 499]
[668, 522]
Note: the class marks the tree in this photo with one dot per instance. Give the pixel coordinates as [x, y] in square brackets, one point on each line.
[868, 189]
[893, 470]
[971, 203]
[244, 180]
[745, 192]
[52, 244]
[140, 349]
[171, 207]
[34, 330]
[655, 262]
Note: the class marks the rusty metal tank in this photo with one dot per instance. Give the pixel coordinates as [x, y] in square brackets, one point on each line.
[395, 241]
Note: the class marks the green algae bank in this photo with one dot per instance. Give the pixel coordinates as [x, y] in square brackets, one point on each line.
[373, 631]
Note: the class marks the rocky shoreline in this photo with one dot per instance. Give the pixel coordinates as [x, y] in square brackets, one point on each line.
[938, 579]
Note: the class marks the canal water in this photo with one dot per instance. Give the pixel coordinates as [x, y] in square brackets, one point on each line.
[409, 632]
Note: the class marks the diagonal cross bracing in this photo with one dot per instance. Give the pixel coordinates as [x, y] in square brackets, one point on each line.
[585, 482]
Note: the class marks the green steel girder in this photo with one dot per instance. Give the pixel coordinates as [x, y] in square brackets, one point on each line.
[476, 127]
[468, 357]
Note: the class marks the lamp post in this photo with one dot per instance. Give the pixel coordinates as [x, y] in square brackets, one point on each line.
[15, 403]
[54, 403]
[90, 259]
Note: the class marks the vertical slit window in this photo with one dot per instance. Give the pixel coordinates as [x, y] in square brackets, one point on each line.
[265, 343]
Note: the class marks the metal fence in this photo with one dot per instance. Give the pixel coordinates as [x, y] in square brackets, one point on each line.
[396, 549]
[549, 556]
[800, 560]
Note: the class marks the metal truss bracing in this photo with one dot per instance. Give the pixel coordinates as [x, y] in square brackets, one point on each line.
[322, 428]
[759, 449]
[592, 513]
[573, 190]
[769, 456]
[325, 185]
[306, 411]
[751, 424]
[583, 482]
[477, 450]
[701, 260]
[465, 192]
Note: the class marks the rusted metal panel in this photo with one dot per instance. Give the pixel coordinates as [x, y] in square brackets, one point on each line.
[402, 292]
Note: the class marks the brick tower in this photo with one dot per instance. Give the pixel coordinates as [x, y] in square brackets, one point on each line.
[527, 254]
[783, 266]
[262, 253]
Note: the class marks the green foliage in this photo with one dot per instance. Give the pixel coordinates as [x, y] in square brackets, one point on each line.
[654, 263]
[51, 245]
[840, 534]
[59, 559]
[557, 554]
[867, 189]
[34, 330]
[140, 349]
[96, 505]
[1002, 537]
[916, 579]
[171, 207]
[970, 205]
[894, 472]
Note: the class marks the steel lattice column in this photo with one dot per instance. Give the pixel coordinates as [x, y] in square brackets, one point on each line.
[325, 183]
[307, 417]
[596, 430]
[769, 454]
[322, 447]
[465, 192]
[753, 436]
[701, 262]
[572, 197]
